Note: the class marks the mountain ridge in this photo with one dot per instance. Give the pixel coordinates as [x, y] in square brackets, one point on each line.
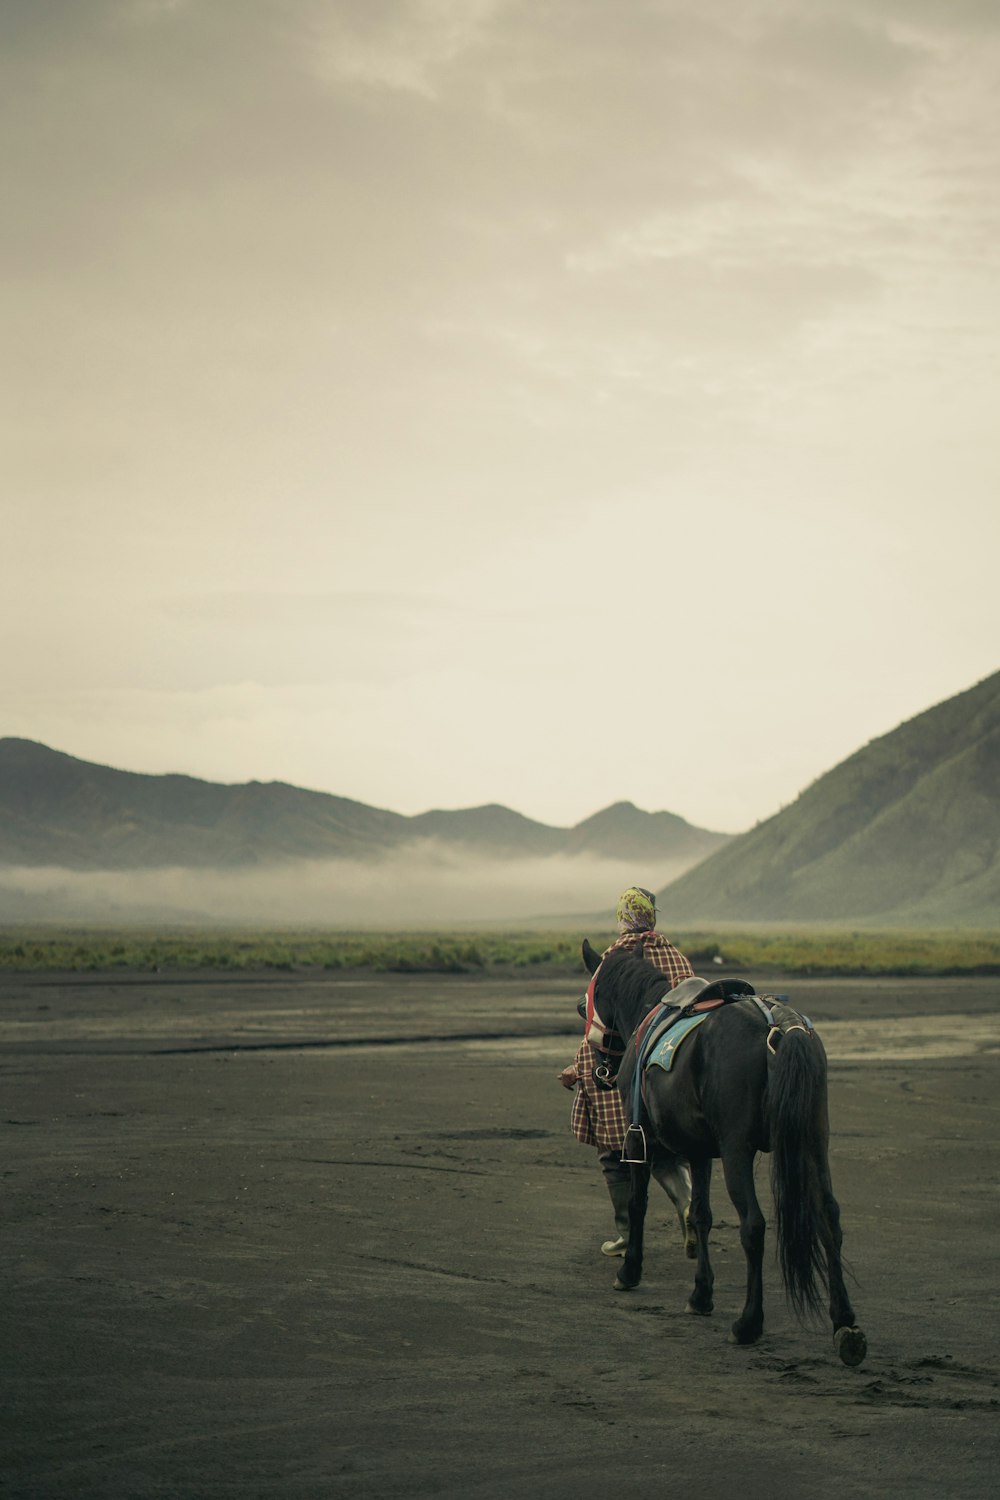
[57, 810]
[906, 829]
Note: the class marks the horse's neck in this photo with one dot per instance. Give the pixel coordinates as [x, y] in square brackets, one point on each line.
[634, 1011]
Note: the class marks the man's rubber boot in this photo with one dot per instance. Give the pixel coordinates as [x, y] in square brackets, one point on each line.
[620, 1194]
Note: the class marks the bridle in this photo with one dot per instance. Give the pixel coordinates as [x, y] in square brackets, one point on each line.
[602, 1073]
[609, 1036]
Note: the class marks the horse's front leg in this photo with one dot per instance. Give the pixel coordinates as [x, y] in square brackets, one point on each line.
[738, 1167]
[631, 1271]
[700, 1300]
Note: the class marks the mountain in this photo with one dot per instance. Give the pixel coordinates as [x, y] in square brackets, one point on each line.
[491, 827]
[57, 811]
[905, 831]
[624, 831]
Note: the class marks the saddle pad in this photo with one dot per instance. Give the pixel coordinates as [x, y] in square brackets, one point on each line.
[662, 1055]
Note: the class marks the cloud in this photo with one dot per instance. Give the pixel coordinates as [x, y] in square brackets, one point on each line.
[397, 47]
[271, 639]
[378, 374]
[420, 888]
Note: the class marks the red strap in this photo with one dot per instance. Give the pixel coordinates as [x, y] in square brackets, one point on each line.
[590, 1000]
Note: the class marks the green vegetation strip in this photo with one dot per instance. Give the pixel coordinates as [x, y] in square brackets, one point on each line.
[787, 952]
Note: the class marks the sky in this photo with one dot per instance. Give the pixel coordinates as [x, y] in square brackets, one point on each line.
[544, 402]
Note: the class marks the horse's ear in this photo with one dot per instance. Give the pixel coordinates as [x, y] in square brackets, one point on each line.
[591, 957]
[639, 951]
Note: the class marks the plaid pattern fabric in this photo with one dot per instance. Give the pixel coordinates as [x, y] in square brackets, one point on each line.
[658, 951]
[598, 1117]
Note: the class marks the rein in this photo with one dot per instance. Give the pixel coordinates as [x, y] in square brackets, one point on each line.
[603, 1073]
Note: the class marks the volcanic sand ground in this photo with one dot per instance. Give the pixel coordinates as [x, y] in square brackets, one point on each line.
[245, 1258]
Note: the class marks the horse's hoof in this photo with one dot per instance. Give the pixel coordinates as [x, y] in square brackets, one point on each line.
[701, 1312]
[851, 1345]
[624, 1286]
[742, 1339]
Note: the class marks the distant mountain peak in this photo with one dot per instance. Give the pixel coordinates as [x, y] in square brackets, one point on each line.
[61, 811]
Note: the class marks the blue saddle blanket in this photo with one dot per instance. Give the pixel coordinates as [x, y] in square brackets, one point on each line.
[664, 1051]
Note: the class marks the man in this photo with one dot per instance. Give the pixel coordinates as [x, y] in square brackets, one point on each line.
[598, 1117]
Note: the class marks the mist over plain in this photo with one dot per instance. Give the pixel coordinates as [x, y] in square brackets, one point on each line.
[423, 886]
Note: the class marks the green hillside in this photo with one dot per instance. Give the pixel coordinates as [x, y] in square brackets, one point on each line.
[907, 830]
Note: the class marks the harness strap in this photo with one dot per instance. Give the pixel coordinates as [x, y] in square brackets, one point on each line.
[684, 1001]
[588, 1018]
[765, 1010]
[648, 1033]
[784, 1020]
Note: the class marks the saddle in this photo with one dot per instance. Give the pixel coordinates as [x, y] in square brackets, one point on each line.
[705, 994]
[692, 998]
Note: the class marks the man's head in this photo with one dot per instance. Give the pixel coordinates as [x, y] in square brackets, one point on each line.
[636, 910]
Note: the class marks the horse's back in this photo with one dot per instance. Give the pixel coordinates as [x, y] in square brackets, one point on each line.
[716, 1089]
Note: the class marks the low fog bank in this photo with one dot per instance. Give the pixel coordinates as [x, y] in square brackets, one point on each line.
[425, 889]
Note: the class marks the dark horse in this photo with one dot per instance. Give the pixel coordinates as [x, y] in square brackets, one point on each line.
[738, 1085]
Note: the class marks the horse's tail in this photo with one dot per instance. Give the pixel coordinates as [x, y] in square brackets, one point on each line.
[797, 1114]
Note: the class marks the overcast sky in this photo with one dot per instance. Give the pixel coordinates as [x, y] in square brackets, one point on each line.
[546, 402]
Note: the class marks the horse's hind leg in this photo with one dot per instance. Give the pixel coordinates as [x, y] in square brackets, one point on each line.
[631, 1271]
[849, 1339]
[700, 1300]
[674, 1177]
[738, 1167]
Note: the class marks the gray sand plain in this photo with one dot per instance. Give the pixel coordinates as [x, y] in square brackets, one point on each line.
[308, 1236]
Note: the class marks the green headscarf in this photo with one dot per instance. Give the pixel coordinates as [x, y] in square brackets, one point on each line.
[636, 910]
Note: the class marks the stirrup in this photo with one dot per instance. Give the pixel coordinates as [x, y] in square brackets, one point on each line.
[635, 1142]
